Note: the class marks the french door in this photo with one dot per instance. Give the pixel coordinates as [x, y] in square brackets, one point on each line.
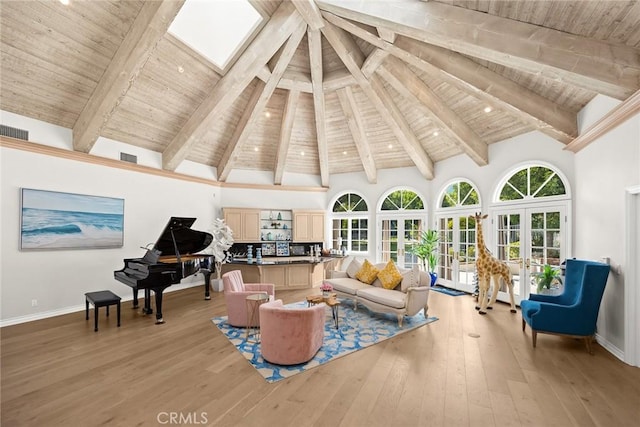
[396, 234]
[457, 251]
[527, 239]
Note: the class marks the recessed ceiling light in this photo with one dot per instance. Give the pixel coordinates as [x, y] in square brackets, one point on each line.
[180, 69]
[487, 109]
[344, 152]
[435, 133]
[267, 114]
[65, 2]
[390, 146]
[302, 153]
[255, 148]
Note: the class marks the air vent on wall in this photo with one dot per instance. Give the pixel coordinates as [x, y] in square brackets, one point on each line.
[14, 132]
[129, 158]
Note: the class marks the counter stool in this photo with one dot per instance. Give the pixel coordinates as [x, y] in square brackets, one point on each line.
[101, 299]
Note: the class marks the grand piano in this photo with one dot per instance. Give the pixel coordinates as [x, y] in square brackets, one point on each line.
[172, 258]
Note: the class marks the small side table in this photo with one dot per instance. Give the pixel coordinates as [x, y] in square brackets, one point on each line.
[331, 301]
[254, 302]
[101, 299]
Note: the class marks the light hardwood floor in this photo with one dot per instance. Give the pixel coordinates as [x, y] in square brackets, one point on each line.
[59, 372]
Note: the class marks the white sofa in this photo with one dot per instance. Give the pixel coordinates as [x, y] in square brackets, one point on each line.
[407, 299]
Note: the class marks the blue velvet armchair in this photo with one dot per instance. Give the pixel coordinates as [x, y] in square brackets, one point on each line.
[575, 311]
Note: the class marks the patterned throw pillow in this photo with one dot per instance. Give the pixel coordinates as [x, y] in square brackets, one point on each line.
[353, 268]
[390, 276]
[368, 273]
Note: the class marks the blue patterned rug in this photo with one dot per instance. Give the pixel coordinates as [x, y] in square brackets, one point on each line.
[447, 291]
[357, 330]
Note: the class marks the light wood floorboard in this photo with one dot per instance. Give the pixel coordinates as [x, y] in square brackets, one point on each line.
[59, 372]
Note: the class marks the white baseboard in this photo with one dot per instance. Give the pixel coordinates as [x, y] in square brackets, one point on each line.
[81, 307]
[610, 348]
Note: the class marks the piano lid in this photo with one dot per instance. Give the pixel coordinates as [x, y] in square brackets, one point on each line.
[187, 240]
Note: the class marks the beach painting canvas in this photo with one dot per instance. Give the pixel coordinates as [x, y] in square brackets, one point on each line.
[55, 220]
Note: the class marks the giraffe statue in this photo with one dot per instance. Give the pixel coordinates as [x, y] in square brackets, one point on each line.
[489, 268]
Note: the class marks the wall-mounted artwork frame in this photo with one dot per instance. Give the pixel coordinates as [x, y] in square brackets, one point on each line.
[282, 248]
[56, 220]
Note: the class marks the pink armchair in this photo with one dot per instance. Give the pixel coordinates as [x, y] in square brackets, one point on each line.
[289, 336]
[235, 295]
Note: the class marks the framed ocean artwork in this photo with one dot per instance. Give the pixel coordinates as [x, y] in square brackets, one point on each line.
[56, 220]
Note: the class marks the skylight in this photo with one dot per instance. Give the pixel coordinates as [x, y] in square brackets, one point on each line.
[215, 28]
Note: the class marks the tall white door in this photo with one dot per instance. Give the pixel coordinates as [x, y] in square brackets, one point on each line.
[396, 233]
[457, 251]
[527, 239]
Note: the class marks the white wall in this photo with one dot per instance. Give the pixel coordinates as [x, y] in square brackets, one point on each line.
[58, 279]
[603, 170]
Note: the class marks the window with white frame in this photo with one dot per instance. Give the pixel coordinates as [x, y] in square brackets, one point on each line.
[350, 223]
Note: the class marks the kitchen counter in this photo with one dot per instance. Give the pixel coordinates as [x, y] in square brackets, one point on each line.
[288, 260]
[285, 272]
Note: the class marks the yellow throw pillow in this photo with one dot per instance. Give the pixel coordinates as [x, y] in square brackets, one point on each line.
[389, 276]
[368, 273]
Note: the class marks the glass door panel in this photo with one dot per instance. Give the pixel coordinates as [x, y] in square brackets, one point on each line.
[527, 239]
[396, 235]
[389, 240]
[457, 251]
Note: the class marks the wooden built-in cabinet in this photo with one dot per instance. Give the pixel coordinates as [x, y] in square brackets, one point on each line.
[308, 226]
[285, 276]
[245, 224]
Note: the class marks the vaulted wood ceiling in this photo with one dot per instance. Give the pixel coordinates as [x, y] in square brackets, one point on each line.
[323, 87]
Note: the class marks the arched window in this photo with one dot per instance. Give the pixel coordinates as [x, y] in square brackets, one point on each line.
[458, 200]
[350, 223]
[532, 182]
[402, 216]
[459, 194]
[400, 200]
[531, 223]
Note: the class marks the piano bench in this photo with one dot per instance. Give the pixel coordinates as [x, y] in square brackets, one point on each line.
[101, 299]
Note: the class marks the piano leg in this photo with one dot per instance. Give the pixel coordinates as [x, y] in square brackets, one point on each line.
[158, 292]
[135, 298]
[147, 302]
[207, 283]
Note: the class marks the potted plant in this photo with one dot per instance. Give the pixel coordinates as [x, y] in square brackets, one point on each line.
[222, 241]
[426, 250]
[547, 277]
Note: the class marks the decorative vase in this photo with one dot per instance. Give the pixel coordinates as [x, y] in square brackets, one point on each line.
[250, 254]
[325, 294]
[434, 277]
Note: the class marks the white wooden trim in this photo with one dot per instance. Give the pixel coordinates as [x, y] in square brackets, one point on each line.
[632, 278]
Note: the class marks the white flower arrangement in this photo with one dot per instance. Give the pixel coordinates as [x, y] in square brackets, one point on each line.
[222, 241]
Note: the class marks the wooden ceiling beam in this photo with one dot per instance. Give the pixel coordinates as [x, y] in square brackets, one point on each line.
[488, 86]
[386, 35]
[147, 30]
[373, 61]
[315, 61]
[288, 115]
[498, 91]
[610, 121]
[612, 69]
[257, 104]
[403, 80]
[310, 13]
[283, 23]
[350, 54]
[356, 126]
